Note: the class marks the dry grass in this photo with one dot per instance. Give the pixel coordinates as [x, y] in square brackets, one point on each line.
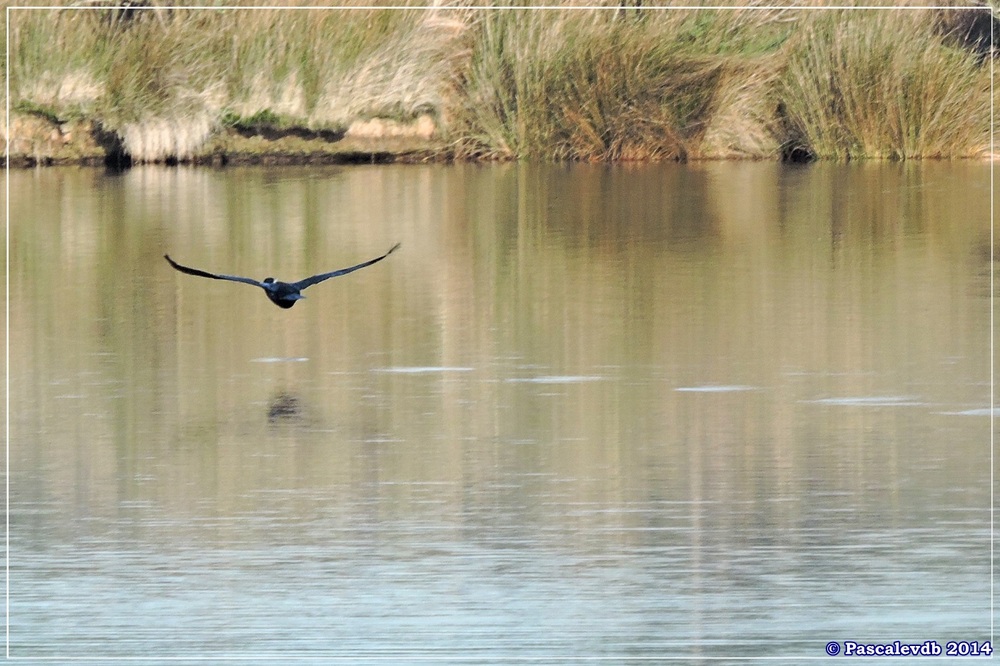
[157, 139]
[883, 84]
[164, 81]
[594, 85]
[582, 84]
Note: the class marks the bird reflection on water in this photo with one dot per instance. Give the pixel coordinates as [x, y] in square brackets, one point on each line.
[284, 408]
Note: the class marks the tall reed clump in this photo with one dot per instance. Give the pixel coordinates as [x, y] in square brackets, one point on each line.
[882, 84]
[594, 84]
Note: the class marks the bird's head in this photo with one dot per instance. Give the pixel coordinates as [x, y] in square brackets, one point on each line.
[269, 280]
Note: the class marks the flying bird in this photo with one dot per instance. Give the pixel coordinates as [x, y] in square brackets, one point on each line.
[282, 294]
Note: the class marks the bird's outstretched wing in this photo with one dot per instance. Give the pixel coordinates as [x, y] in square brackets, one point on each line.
[315, 279]
[195, 271]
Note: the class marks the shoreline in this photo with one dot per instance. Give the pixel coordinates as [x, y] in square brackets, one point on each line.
[40, 142]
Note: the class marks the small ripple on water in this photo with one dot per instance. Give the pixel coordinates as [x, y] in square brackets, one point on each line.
[420, 369]
[870, 401]
[556, 379]
[279, 359]
[984, 411]
[716, 388]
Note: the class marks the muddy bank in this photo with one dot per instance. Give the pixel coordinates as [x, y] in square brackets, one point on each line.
[40, 141]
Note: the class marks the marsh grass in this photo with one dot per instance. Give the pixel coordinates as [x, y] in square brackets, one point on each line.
[590, 85]
[866, 83]
[601, 83]
[168, 80]
[327, 68]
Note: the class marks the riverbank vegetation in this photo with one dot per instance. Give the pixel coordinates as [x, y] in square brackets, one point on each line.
[612, 83]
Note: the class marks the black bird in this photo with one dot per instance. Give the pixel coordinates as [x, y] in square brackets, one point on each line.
[282, 294]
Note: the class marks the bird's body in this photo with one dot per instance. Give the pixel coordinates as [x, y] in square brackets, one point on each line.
[282, 294]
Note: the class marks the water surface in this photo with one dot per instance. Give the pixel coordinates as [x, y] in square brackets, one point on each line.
[625, 412]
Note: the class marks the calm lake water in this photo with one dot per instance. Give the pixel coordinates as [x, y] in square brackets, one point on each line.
[584, 413]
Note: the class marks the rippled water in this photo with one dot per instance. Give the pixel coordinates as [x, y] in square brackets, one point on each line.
[587, 412]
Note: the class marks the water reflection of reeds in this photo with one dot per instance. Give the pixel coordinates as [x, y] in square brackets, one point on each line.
[575, 301]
